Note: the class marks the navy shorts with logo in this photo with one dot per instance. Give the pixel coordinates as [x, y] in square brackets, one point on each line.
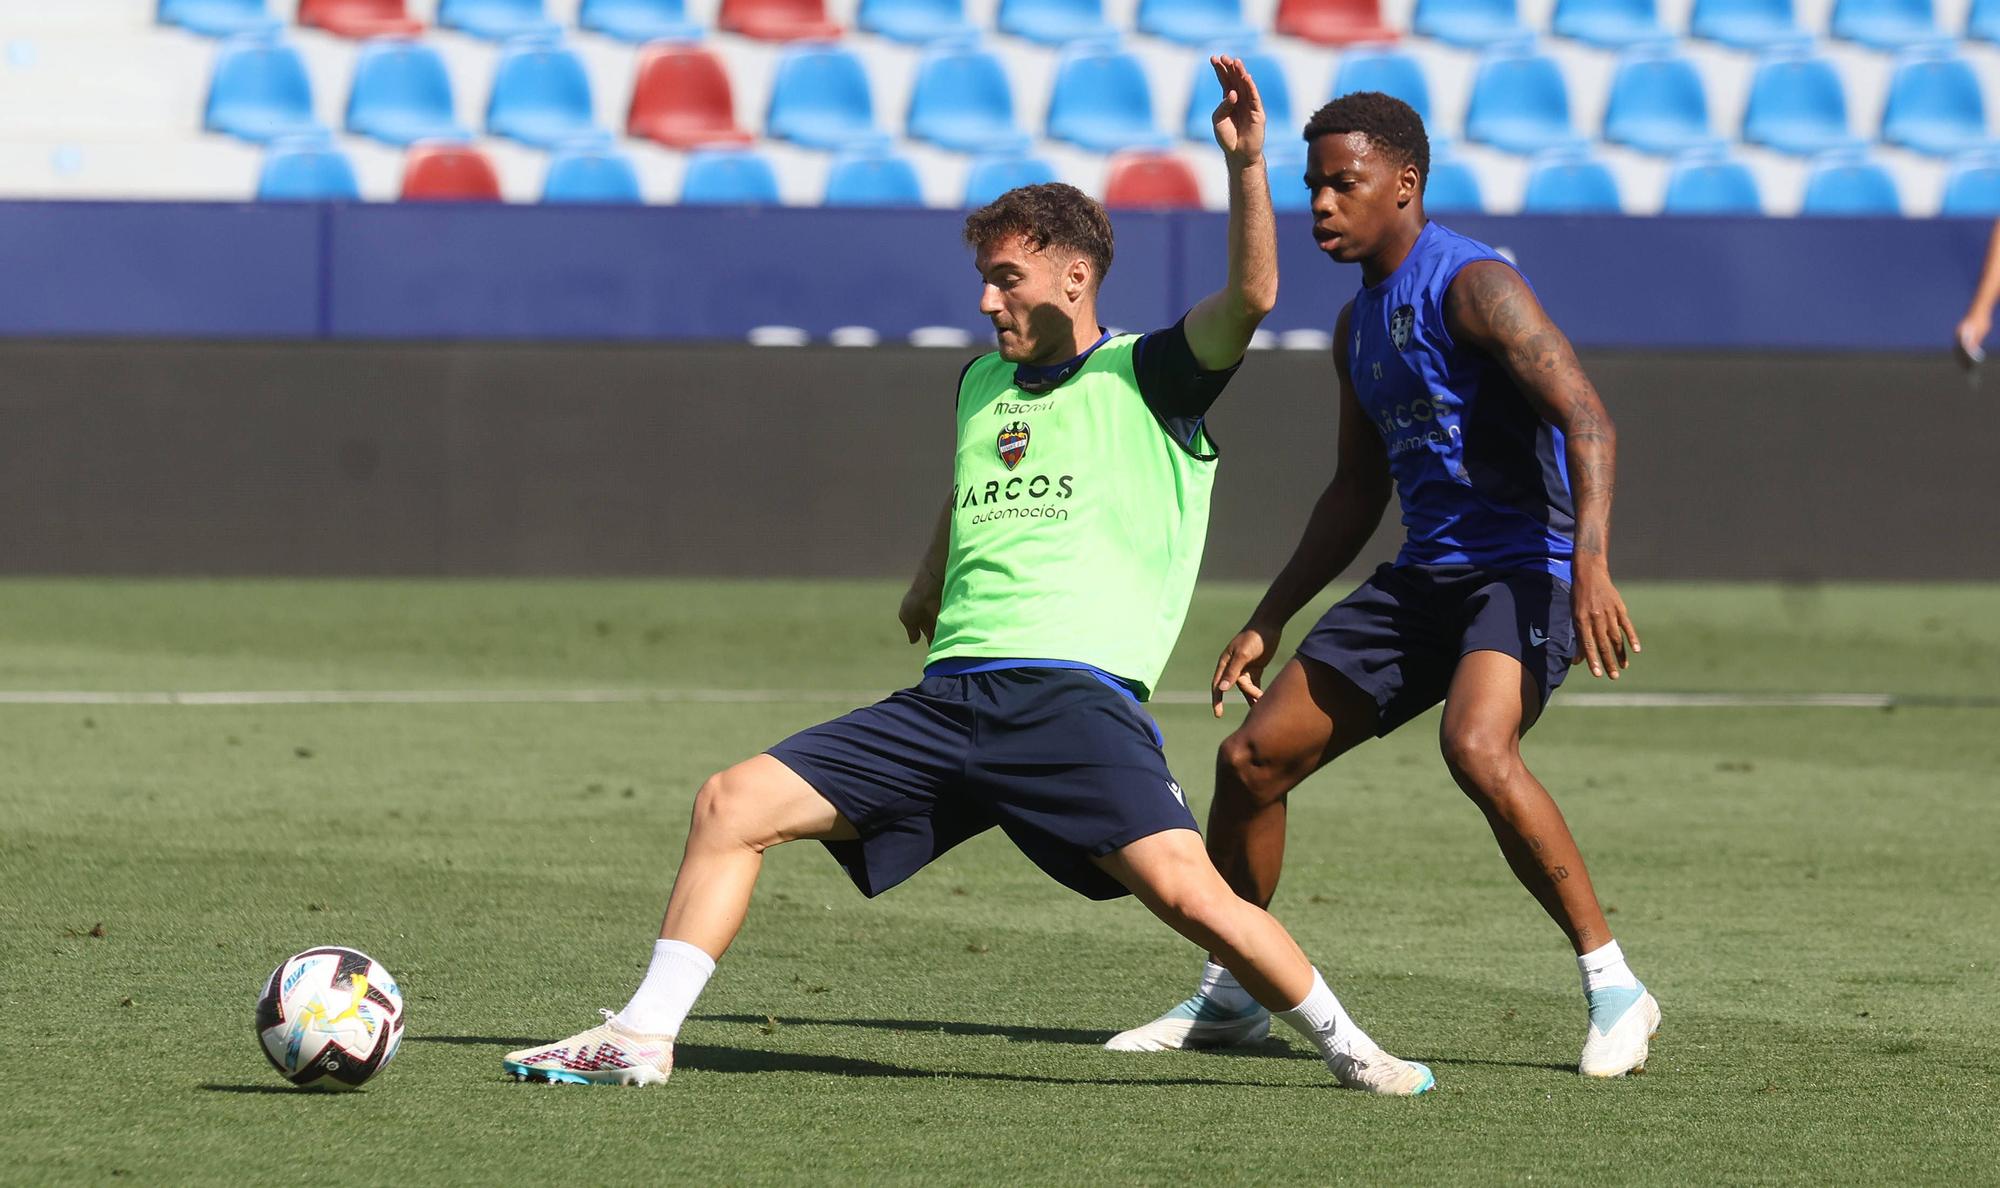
[1400, 636]
[1067, 767]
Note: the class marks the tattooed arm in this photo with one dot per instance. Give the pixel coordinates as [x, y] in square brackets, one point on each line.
[1490, 309]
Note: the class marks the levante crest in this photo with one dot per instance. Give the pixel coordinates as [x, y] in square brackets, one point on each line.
[1013, 444]
[1401, 323]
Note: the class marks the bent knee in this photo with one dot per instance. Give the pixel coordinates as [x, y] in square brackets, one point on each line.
[727, 810]
[1264, 772]
[1482, 761]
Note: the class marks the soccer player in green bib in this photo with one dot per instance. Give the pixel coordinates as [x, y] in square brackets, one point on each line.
[1052, 591]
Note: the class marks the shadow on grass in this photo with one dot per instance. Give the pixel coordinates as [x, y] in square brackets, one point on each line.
[1459, 1062]
[287, 1090]
[1019, 1035]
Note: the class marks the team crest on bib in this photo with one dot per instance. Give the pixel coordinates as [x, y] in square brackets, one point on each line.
[1013, 444]
[1401, 323]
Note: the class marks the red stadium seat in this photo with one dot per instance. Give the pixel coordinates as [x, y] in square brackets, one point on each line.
[777, 20]
[360, 18]
[682, 99]
[1333, 22]
[1151, 181]
[444, 171]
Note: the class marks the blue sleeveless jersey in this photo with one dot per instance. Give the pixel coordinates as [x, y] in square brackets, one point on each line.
[1481, 476]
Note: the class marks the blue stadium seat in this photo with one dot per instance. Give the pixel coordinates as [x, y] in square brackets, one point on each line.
[729, 177]
[1054, 22]
[1983, 22]
[914, 21]
[1885, 24]
[1194, 22]
[1614, 24]
[1520, 103]
[1745, 24]
[1567, 181]
[1848, 182]
[1934, 104]
[991, 177]
[402, 94]
[963, 101]
[1973, 188]
[591, 173]
[259, 90]
[1101, 100]
[495, 20]
[306, 169]
[1389, 71]
[216, 18]
[1657, 103]
[638, 21]
[541, 95]
[1452, 187]
[1471, 23]
[1712, 183]
[872, 177]
[1797, 104]
[1276, 90]
[1285, 169]
[820, 98]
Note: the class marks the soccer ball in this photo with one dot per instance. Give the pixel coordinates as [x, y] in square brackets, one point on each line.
[330, 1017]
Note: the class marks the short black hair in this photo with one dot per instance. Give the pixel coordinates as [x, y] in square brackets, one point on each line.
[1385, 120]
[1048, 215]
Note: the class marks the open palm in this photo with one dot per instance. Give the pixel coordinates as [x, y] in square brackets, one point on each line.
[1239, 118]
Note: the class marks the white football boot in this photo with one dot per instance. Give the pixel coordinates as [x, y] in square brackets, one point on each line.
[1379, 1072]
[605, 1055]
[1623, 1021]
[1199, 1022]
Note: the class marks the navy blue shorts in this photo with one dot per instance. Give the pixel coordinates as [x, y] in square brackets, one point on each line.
[1068, 768]
[1400, 636]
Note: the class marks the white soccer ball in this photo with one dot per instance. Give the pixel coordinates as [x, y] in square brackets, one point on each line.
[330, 1017]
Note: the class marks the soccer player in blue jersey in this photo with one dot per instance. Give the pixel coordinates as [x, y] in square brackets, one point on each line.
[1457, 390]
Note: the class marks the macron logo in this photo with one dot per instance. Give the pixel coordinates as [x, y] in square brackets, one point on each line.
[1537, 637]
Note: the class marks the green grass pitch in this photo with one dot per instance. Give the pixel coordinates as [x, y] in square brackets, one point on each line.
[1811, 893]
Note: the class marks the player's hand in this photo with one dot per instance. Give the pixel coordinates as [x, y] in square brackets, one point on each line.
[1241, 665]
[919, 612]
[1969, 342]
[1239, 118]
[1604, 632]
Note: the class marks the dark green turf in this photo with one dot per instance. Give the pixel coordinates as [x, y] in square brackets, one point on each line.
[1810, 892]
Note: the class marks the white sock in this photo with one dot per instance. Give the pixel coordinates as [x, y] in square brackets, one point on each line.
[673, 981]
[1321, 1019]
[1604, 968]
[1221, 988]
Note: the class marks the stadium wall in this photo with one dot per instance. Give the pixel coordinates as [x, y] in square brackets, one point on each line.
[150, 457]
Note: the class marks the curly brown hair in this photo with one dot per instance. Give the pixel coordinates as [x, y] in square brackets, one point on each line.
[1388, 122]
[1048, 215]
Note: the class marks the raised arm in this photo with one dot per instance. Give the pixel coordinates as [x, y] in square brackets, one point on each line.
[919, 611]
[1491, 309]
[1978, 319]
[1220, 325]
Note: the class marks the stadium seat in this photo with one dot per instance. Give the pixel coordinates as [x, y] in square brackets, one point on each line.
[1389, 71]
[991, 177]
[306, 169]
[215, 18]
[1797, 104]
[1567, 181]
[682, 99]
[820, 98]
[1973, 188]
[1470, 23]
[962, 101]
[1745, 24]
[591, 173]
[1519, 103]
[1333, 22]
[259, 90]
[360, 18]
[1151, 181]
[541, 95]
[728, 177]
[402, 94]
[1709, 182]
[1850, 183]
[1657, 104]
[872, 177]
[495, 20]
[1054, 22]
[1982, 23]
[1885, 24]
[1452, 187]
[1285, 168]
[918, 22]
[1194, 22]
[638, 21]
[1272, 85]
[1934, 105]
[446, 171]
[1613, 24]
[777, 20]
[1101, 100]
